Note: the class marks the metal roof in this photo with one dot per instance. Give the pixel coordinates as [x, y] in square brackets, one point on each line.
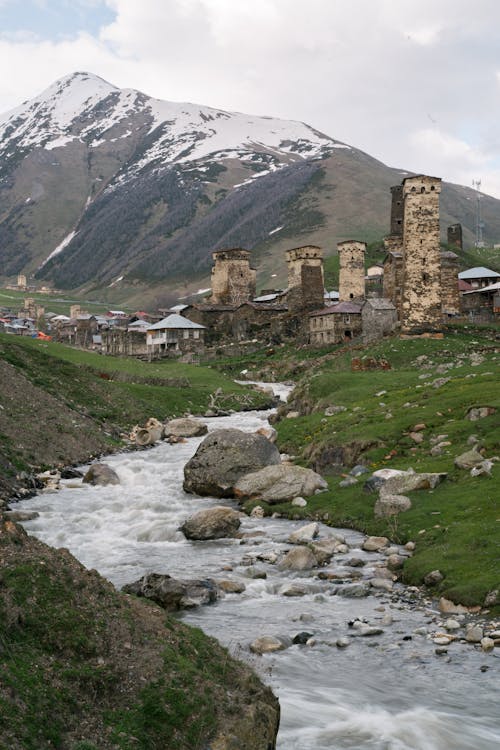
[479, 272]
[174, 321]
[341, 307]
[490, 288]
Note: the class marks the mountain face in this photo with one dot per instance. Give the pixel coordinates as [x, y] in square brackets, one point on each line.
[107, 187]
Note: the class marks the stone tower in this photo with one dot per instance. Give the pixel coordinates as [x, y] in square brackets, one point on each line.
[450, 297]
[421, 292]
[397, 210]
[233, 281]
[306, 286]
[455, 236]
[352, 270]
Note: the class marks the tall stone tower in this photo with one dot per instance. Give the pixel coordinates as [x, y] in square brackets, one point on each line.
[455, 236]
[233, 281]
[450, 297]
[397, 210]
[352, 270]
[306, 286]
[421, 292]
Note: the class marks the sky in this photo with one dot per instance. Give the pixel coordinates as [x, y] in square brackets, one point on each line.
[414, 83]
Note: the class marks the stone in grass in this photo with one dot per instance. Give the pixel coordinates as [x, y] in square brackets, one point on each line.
[433, 578]
[469, 459]
[391, 505]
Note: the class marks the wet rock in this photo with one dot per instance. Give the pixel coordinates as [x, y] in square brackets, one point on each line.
[268, 432]
[391, 505]
[70, 473]
[20, 516]
[257, 512]
[369, 630]
[469, 459]
[299, 558]
[223, 458]
[452, 625]
[255, 573]
[280, 483]
[304, 534]
[302, 638]
[487, 644]
[375, 543]
[441, 651]
[294, 590]
[184, 428]
[171, 593]
[433, 578]
[212, 523]
[450, 608]
[381, 583]
[101, 475]
[356, 562]
[324, 549]
[442, 640]
[354, 590]
[266, 644]
[231, 587]
[343, 642]
[473, 633]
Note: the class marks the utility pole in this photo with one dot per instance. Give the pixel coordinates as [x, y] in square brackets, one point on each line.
[476, 184]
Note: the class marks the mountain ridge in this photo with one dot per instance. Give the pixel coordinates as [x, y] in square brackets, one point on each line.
[104, 187]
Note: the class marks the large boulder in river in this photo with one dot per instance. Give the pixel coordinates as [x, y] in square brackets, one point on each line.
[184, 428]
[279, 484]
[212, 523]
[173, 594]
[223, 458]
[101, 474]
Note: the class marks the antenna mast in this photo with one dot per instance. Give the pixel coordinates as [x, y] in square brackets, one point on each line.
[476, 184]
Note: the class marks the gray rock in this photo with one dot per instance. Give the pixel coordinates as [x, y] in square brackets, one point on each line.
[358, 470]
[302, 638]
[173, 594]
[101, 474]
[343, 642]
[479, 412]
[409, 481]
[395, 562]
[294, 590]
[304, 534]
[469, 459]
[20, 516]
[348, 482]
[223, 458]
[354, 590]
[266, 644]
[375, 543]
[391, 505]
[299, 502]
[330, 411]
[381, 583]
[184, 427]
[280, 483]
[433, 578]
[487, 644]
[299, 558]
[212, 523]
[231, 587]
[474, 633]
[325, 549]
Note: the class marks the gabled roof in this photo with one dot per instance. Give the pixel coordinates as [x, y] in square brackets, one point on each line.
[479, 272]
[464, 286]
[341, 307]
[174, 322]
[490, 288]
[380, 303]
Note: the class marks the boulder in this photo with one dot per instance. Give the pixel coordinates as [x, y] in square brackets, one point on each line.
[231, 587]
[479, 412]
[304, 534]
[299, 558]
[474, 633]
[391, 505]
[408, 481]
[212, 523]
[375, 543]
[101, 474]
[279, 483]
[223, 458]
[325, 549]
[173, 594]
[299, 502]
[266, 644]
[268, 432]
[184, 428]
[433, 578]
[469, 459]
[448, 607]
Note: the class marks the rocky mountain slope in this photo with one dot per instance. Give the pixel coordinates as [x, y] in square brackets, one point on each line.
[107, 188]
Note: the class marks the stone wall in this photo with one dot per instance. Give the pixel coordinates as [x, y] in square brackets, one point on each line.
[397, 210]
[352, 270]
[233, 281]
[421, 295]
[334, 327]
[455, 236]
[450, 298]
[379, 317]
[120, 342]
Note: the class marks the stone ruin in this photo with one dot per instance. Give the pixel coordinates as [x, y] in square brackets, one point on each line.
[233, 280]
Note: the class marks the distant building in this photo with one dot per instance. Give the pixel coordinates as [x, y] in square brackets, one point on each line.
[479, 277]
[174, 335]
[233, 280]
[336, 324]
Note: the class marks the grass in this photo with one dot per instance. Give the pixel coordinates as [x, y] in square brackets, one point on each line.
[456, 526]
[14, 299]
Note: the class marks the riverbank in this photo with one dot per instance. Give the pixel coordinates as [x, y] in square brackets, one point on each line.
[419, 404]
[61, 406]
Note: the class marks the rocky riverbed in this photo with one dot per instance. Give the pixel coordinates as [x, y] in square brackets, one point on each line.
[357, 659]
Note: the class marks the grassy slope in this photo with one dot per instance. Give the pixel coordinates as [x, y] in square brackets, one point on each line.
[456, 526]
[59, 407]
[86, 668]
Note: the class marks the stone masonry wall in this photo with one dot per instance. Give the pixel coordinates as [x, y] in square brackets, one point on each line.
[397, 210]
[450, 297]
[233, 281]
[421, 296]
[352, 270]
[305, 278]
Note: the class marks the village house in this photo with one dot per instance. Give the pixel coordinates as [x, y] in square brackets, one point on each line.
[479, 277]
[174, 335]
[482, 304]
[335, 324]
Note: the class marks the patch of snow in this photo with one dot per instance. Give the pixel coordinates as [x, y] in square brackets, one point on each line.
[278, 229]
[59, 142]
[116, 281]
[65, 242]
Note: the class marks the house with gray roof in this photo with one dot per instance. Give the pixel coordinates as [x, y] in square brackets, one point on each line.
[174, 335]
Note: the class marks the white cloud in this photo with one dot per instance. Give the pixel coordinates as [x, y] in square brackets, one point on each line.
[373, 74]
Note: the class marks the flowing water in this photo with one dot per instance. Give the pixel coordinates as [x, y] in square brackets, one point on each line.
[385, 692]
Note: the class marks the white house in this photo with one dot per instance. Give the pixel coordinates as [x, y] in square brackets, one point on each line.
[176, 334]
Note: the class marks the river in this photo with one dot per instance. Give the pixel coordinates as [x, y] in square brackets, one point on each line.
[385, 692]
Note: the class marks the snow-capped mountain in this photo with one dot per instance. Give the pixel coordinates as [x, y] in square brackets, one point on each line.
[101, 186]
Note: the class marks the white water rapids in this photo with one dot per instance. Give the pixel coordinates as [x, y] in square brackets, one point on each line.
[386, 692]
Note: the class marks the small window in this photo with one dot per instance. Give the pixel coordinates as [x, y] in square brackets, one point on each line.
[185, 334]
[425, 277]
[422, 189]
[196, 334]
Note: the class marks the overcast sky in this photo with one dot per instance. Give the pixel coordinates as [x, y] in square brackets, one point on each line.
[415, 83]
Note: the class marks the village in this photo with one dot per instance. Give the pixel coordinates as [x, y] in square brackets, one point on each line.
[414, 292]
